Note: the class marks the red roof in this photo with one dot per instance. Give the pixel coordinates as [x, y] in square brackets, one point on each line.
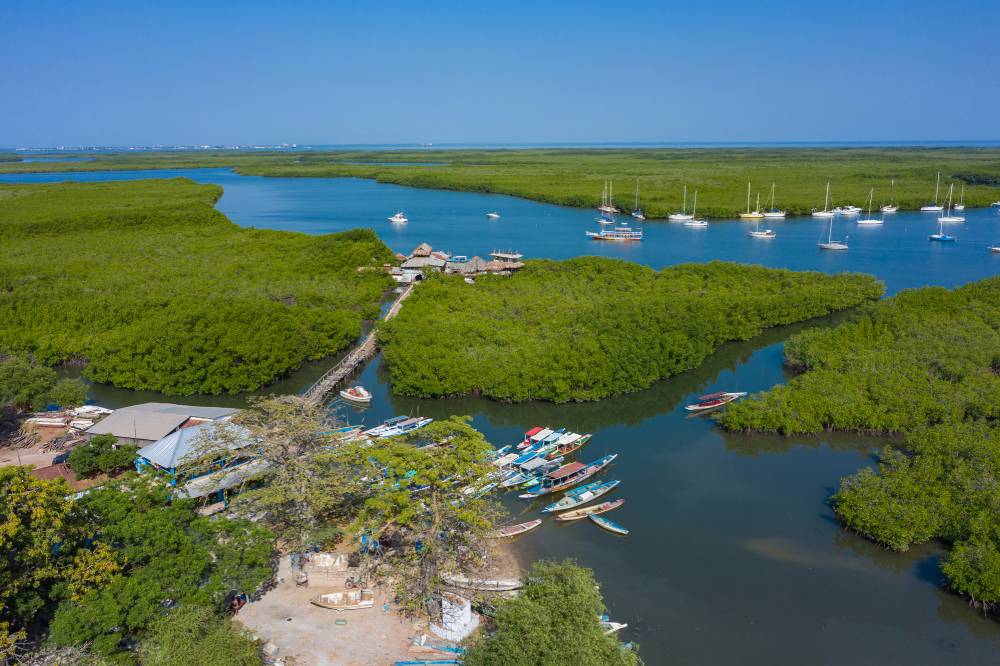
[566, 470]
[534, 431]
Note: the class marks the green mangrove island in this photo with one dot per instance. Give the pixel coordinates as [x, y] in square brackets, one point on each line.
[149, 287]
[924, 364]
[591, 327]
[576, 176]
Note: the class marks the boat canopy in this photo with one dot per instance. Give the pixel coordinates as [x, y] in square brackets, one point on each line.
[713, 396]
[533, 431]
[566, 470]
[534, 463]
[553, 438]
[568, 438]
[541, 434]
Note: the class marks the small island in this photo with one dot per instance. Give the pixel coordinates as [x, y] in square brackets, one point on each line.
[589, 328]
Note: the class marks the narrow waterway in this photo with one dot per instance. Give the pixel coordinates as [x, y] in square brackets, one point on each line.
[734, 555]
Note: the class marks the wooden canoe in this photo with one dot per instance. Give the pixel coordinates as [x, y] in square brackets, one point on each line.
[577, 514]
[609, 525]
[515, 530]
[345, 600]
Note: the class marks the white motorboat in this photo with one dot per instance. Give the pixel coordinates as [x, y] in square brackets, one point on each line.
[891, 207]
[870, 220]
[683, 215]
[826, 212]
[849, 210]
[398, 218]
[358, 394]
[934, 207]
[493, 216]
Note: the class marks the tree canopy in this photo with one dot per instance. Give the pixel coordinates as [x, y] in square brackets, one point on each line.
[591, 327]
[554, 621]
[25, 385]
[152, 288]
[925, 364]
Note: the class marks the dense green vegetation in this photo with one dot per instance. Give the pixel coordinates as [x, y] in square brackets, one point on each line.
[554, 621]
[195, 633]
[101, 455]
[575, 177]
[155, 289]
[24, 385]
[923, 357]
[591, 327]
[926, 364]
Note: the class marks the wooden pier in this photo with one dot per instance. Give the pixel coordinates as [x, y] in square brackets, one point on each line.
[333, 377]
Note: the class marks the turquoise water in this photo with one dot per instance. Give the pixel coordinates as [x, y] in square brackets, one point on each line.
[734, 555]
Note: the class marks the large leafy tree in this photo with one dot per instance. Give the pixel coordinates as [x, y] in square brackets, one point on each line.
[170, 555]
[417, 505]
[37, 537]
[24, 385]
[554, 621]
[195, 634]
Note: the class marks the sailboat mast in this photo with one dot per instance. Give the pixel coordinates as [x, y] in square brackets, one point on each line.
[748, 197]
[826, 202]
[937, 188]
[685, 199]
[636, 205]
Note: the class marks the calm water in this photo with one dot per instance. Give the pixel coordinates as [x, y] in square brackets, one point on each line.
[734, 555]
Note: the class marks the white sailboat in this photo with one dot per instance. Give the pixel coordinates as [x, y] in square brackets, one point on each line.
[683, 214]
[941, 236]
[961, 199]
[891, 207]
[637, 212]
[761, 233]
[935, 207]
[831, 244]
[756, 214]
[948, 217]
[870, 220]
[772, 210]
[694, 221]
[826, 212]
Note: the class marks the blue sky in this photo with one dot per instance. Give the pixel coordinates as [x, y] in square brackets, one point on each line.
[329, 72]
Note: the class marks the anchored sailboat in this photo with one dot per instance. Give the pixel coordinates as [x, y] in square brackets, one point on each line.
[831, 244]
[961, 199]
[756, 214]
[683, 214]
[772, 210]
[948, 217]
[870, 219]
[694, 221]
[935, 207]
[637, 212]
[891, 207]
[826, 212]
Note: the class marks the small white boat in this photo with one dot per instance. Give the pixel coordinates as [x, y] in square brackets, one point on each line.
[995, 204]
[891, 207]
[934, 207]
[358, 394]
[398, 218]
[637, 212]
[762, 233]
[516, 530]
[961, 199]
[482, 584]
[346, 600]
[948, 217]
[773, 211]
[831, 244]
[493, 216]
[610, 627]
[848, 210]
[683, 215]
[694, 221]
[826, 212]
[870, 220]
[995, 249]
[609, 525]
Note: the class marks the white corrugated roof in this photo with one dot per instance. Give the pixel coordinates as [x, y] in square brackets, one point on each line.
[153, 420]
[169, 451]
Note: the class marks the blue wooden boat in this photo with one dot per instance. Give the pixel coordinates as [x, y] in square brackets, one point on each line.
[581, 495]
[609, 525]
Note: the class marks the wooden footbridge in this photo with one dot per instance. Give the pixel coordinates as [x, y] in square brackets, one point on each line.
[333, 377]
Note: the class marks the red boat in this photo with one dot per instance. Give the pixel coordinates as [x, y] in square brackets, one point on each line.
[713, 400]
